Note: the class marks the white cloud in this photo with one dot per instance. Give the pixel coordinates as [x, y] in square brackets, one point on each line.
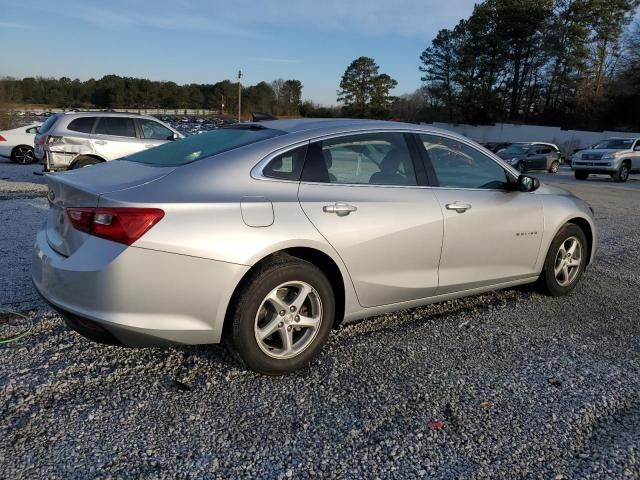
[20, 26]
[274, 60]
[410, 18]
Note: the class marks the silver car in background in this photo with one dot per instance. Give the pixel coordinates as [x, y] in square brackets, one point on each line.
[268, 235]
[66, 141]
[617, 157]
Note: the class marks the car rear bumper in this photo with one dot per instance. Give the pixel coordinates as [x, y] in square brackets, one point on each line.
[135, 296]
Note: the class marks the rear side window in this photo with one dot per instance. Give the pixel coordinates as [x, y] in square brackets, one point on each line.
[46, 126]
[367, 158]
[83, 124]
[286, 166]
[200, 146]
[118, 126]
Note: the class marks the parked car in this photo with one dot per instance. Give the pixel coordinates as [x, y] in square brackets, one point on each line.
[67, 141]
[268, 235]
[530, 156]
[17, 143]
[617, 157]
[496, 146]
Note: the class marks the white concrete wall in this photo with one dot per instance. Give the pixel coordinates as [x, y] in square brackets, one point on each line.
[567, 140]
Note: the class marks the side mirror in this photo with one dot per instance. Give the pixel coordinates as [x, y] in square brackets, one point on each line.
[527, 184]
[175, 136]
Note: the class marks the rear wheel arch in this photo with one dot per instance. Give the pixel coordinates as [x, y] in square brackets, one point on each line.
[319, 259]
[83, 156]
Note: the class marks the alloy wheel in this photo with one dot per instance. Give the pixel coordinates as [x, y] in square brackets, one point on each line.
[23, 155]
[624, 173]
[568, 261]
[288, 320]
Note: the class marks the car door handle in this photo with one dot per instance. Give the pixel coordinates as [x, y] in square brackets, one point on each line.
[458, 207]
[100, 142]
[339, 208]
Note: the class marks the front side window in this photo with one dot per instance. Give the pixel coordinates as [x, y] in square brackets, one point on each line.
[83, 124]
[117, 126]
[286, 166]
[517, 149]
[368, 158]
[457, 165]
[197, 147]
[154, 131]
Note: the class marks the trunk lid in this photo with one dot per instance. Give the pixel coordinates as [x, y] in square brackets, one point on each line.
[83, 188]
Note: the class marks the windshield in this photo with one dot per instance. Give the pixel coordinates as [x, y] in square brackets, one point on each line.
[614, 144]
[196, 147]
[517, 148]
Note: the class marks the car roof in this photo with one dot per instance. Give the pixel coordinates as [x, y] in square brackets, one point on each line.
[535, 143]
[322, 126]
[90, 113]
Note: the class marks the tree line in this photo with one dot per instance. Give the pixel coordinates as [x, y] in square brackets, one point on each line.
[280, 97]
[568, 63]
[556, 62]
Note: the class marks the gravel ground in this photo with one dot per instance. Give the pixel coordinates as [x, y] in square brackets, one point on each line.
[504, 385]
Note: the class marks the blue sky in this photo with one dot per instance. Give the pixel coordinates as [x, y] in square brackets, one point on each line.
[207, 41]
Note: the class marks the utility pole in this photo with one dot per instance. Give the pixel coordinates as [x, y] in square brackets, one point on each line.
[239, 96]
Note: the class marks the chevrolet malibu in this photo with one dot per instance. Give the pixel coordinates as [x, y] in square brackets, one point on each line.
[268, 235]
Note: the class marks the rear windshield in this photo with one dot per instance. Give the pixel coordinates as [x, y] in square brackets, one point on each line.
[46, 126]
[196, 147]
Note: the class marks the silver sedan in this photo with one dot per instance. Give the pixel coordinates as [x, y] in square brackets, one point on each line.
[268, 235]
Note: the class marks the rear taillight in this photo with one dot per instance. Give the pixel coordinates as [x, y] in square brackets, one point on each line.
[43, 140]
[2, 139]
[122, 225]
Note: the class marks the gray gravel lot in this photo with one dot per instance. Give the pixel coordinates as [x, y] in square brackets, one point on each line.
[504, 385]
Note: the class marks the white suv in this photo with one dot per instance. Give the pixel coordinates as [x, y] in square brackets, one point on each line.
[75, 140]
[617, 157]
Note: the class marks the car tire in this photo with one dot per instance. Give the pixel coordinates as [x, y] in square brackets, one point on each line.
[268, 335]
[554, 167]
[521, 167]
[565, 261]
[84, 161]
[22, 154]
[622, 175]
[581, 175]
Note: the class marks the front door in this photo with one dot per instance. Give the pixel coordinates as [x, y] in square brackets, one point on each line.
[360, 192]
[492, 234]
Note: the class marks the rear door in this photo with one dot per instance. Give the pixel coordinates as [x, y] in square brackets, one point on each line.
[115, 137]
[492, 234]
[361, 192]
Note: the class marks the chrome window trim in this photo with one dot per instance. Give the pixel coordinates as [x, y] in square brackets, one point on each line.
[257, 174]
